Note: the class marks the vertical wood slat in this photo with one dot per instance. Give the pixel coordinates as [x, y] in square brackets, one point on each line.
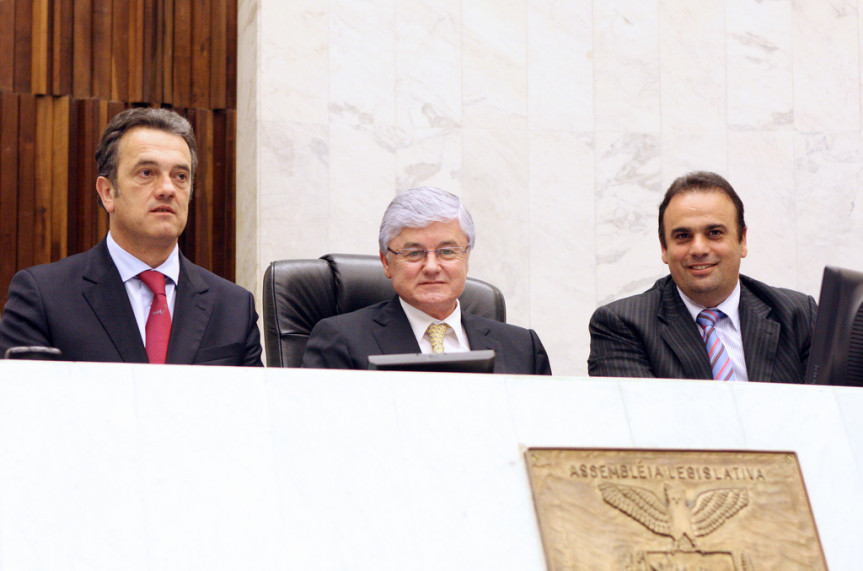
[182, 56]
[42, 180]
[7, 45]
[8, 189]
[40, 77]
[136, 60]
[23, 45]
[60, 178]
[120, 34]
[231, 50]
[62, 47]
[166, 38]
[83, 55]
[230, 193]
[201, 64]
[218, 55]
[26, 178]
[150, 50]
[103, 40]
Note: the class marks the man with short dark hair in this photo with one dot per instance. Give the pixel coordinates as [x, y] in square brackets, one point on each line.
[134, 297]
[704, 320]
[425, 240]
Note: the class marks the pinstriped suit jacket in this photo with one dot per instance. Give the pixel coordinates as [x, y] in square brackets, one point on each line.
[653, 335]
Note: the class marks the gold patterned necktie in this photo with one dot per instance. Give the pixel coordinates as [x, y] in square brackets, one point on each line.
[436, 333]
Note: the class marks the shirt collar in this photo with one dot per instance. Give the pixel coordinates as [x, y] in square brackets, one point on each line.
[129, 266]
[730, 307]
[421, 320]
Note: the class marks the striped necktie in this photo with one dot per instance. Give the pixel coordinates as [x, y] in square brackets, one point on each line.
[436, 333]
[720, 362]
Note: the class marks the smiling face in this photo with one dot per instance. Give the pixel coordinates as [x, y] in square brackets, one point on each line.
[702, 248]
[432, 285]
[149, 204]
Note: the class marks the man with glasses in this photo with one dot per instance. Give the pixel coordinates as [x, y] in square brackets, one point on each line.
[425, 240]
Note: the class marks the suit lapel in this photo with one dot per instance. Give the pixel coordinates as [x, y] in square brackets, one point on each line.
[192, 310]
[478, 335]
[392, 331]
[681, 334]
[760, 336]
[106, 294]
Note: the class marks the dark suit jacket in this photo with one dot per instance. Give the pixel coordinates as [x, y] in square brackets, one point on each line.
[346, 341]
[654, 335]
[80, 306]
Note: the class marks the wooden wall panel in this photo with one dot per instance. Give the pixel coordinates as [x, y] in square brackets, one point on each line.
[43, 14]
[82, 49]
[101, 16]
[23, 45]
[66, 68]
[8, 187]
[7, 45]
[26, 178]
[62, 47]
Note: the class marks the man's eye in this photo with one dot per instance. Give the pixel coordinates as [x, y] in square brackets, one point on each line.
[146, 172]
[446, 252]
[414, 254]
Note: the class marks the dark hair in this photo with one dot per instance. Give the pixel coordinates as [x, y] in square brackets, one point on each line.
[154, 118]
[701, 181]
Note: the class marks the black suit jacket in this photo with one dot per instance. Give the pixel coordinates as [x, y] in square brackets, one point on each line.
[80, 306]
[654, 335]
[346, 341]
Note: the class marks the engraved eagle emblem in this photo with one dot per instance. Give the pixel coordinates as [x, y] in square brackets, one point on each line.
[675, 516]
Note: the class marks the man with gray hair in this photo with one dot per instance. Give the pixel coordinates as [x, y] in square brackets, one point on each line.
[425, 240]
[134, 297]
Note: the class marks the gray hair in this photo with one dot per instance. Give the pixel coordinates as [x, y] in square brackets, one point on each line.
[419, 207]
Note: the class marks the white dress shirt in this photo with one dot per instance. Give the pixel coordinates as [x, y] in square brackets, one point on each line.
[728, 328]
[139, 294]
[455, 340]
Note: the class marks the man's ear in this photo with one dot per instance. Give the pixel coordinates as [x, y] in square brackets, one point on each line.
[386, 265]
[664, 251]
[105, 190]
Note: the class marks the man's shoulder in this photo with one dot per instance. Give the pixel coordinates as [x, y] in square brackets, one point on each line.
[646, 301]
[776, 297]
[213, 281]
[351, 318]
[493, 324]
[70, 265]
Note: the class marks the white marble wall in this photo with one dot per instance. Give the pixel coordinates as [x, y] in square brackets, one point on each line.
[560, 123]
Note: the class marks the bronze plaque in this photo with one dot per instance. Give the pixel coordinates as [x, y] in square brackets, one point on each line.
[656, 510]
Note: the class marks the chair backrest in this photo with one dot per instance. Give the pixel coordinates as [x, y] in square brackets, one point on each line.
[299, 293]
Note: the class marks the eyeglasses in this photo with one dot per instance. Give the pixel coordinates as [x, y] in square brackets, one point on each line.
[413, 255]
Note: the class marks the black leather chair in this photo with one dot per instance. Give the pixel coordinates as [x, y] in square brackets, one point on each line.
[299, 293]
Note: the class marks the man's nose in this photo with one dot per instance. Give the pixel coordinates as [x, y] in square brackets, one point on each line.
[700, 244]
[431, 261]
[165, 186]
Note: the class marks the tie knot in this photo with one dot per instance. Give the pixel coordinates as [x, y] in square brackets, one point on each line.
[153, 280]
[709, 317]
[436, 333]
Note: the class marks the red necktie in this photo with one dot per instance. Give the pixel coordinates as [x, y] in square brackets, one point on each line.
[158, 329]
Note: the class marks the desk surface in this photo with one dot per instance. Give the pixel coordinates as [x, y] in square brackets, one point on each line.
[104, 467]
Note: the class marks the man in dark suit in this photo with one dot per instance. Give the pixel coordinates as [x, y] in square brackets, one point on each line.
[425, 240]
[134, 297]
[704, 320]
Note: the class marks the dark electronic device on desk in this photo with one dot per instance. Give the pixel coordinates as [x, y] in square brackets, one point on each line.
[836, 355]
[468, 362]
[34, 353]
